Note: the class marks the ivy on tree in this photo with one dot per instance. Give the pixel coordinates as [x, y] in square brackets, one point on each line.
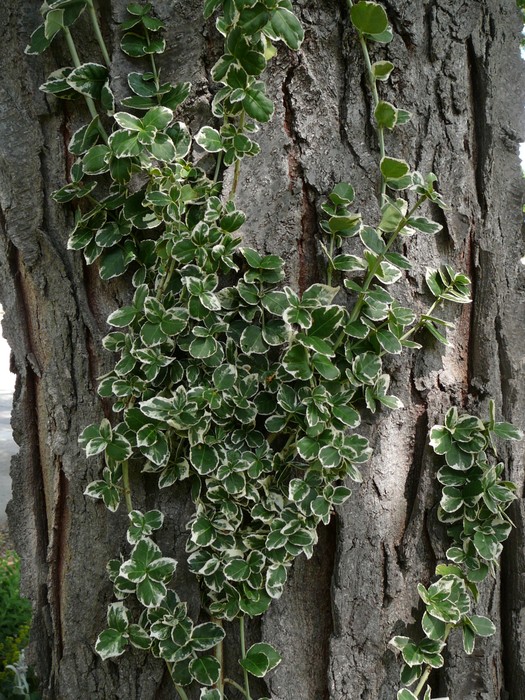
[224, 376]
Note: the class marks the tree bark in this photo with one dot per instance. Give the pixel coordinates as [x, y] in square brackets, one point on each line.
[458, 71]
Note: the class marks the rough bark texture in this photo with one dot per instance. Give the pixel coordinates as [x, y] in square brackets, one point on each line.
[458, 70]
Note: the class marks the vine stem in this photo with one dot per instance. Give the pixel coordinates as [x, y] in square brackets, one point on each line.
[126, 485]
[230, 681]
[153, 65]
[329, 270]
[243, 653]
[237, 167]
[422, 681]
[219, 655]
[375, 97]
[166, 279]
[180, 690]
[182, 693]
[218, 167]
[428, 669]
[98, 33]
[377, 262]
[89, 100]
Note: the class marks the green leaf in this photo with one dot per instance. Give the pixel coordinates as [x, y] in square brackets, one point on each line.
[451, 500]
[421, 223]
[204, 458]
[117, 617]
[253, 19]
[399, 642]
[325, 367]
[308, 448]
[482, 626]
[343, 193]
[385, 114]
[384, 37]
[487, 545]
[206, 670]
[158, 117]
[349, 263]
[181, 138]
[106, 491]
[38, 42]
[252, 341]
[372, 240]
[142, 525]
[469, 638]
[134, 45]
[252, 62]
[316, 344]
[110, 643]
[113, 263]
[207, 694]
[202, 348]
[122, 317]
[296, 362]
[96, 159]
[89, 79]
[54, 22]
[124, 144]
[330, 457]
[85, 137]
[434, 628]
[287, 27]
[139, 638]
[209, 139]
[410, 674]
[260, 659]
[367, 367]
[369, 17]
[507, 431]
[128, 121]
[257, 105]
[325, 321]
[163, 148]
[275, 579]
[202, 531]
[382, 69]
[389, 342]
[394, 168]
[275, 302]
[206, 636]
[403, 116]
[151, 593]
[237, 570]
[393, 213]
[406, 694]
[210, 6]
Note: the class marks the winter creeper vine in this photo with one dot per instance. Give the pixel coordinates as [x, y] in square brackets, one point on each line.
[226, 378]
[473, 503]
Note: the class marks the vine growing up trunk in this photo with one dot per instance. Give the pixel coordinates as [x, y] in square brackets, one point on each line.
[226, 378]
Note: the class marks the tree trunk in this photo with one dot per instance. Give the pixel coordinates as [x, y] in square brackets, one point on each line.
[458, 71]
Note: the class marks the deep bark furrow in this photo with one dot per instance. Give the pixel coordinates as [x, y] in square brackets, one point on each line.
[481, 140]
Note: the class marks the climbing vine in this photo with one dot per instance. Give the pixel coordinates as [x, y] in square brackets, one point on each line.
[474, 499]
[225, 377]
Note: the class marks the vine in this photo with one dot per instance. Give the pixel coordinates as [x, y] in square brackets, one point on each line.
[473, 504]
[225, 378]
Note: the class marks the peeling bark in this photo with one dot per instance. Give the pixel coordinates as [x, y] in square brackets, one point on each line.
[458, 70]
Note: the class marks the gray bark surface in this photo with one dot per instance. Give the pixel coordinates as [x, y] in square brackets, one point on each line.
[458, 70]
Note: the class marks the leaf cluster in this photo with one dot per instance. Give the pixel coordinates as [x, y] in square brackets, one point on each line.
[473, 503]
